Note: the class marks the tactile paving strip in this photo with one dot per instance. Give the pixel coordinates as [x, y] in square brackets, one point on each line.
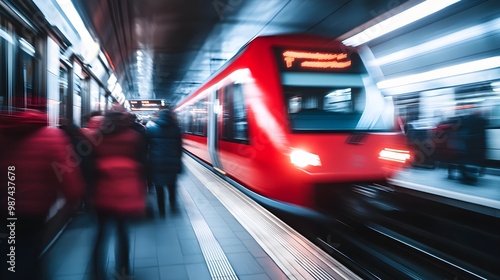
[297, 257]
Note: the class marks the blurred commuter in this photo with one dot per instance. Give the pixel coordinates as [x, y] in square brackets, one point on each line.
[40, 163]
[164, 154]
[139, 127]
[93, 125]
[92, 137]
[94, 122]
[119, 192]
[474, 125]
[452, 150]
[465, 145]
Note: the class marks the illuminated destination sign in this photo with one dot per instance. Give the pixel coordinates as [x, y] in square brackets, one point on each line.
[146, 105]
[315, 60]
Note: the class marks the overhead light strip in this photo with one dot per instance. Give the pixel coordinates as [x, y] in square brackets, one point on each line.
[459, 69]
[399, 20]
[462, 35]
[6, 36]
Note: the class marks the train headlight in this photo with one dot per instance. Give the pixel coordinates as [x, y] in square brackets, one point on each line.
[301, 158]
[394, 155]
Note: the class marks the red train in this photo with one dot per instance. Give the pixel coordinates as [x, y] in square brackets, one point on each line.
[292, 116]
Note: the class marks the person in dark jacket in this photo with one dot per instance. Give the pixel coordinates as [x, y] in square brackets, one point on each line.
[119, 192]
[164, 155]
[474, 126]
[38, 163]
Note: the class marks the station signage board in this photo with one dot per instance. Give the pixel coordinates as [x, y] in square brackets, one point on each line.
[147, 105]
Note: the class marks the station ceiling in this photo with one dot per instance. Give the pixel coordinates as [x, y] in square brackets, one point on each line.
[182, 42]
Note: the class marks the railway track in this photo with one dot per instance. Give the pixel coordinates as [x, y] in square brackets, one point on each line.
[375, 252]
[432, 242]
[385, 235]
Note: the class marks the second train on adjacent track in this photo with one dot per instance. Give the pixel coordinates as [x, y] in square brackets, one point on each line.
[292, 118]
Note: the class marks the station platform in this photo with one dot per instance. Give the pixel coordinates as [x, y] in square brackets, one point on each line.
[483, 196]
[217, 233]
[220, 233]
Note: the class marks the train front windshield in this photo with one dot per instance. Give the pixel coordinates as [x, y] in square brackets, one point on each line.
[332, 92]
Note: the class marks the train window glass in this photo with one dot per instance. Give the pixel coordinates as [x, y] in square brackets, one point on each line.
[186, 119]
[200, 117]
[227, 113]
[63, 90]
[332, 102]
[27, 66]
[323, 108]
[3, 66]
[181, 117]
[204, 115]
[234, 121]
[339, 101]
[294, 104]
[7, 53]
[240, 115]
[190, 120]
[494, 117]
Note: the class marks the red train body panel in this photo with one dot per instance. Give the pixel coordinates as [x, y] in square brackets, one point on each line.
[256, 116]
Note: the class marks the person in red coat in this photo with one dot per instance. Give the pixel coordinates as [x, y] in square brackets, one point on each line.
[38, 163]
[119, 191]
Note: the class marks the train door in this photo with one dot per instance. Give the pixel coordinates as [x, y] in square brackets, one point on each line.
[17, 67]
[6, 66]
[213, 129]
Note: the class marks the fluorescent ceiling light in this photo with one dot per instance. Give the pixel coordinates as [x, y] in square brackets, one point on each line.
[91, 49]
[496, 86]
[27, 47]
[76, 20]
[112, 80]
[6, 36]
[462, 35]
[404, 18]
[117, 90]
[464, 68]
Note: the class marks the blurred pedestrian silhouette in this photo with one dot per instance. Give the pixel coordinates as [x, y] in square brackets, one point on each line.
[94, 122]
[474, 126]
[464, 150]
[41, 164]
[119, 192]
[451, 150]
[92, 126]
[164, 154]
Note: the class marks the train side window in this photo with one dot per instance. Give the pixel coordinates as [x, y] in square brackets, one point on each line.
[204, 115]
[7, 61]
[188, 119]
[184, 117]
[227, 113]
[4, 37]
[234, 121]
[200, 117]
[63, 90]
[240, 114]
[26, 72]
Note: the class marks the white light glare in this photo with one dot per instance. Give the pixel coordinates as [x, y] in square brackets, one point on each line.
[394, 155]
[76, 21]
[112, 79]
[464, 68]
[301, 158]
[495, 86]
[404, 18]
[117, 90]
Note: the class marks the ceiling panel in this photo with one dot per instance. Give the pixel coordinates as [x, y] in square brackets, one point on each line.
[188, 40]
